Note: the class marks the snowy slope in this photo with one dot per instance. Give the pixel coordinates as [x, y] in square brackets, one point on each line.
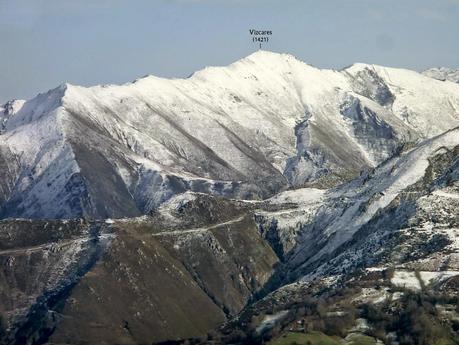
[443, 74]
[357, 217]
[429, 107]
[247, 130]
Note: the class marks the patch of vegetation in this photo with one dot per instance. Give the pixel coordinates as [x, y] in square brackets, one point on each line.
[428, 246]
[414, 319]
[328, 316]
[360, 339]
[331, 316]
[312, 338]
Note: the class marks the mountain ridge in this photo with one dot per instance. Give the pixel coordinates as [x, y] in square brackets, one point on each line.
[251, 192]
[262, 124]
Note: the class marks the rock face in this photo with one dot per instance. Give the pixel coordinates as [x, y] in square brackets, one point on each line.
[263, 124]
[158, 210]
[443, 73]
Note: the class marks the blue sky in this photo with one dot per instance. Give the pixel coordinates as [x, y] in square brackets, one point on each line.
[46, 42]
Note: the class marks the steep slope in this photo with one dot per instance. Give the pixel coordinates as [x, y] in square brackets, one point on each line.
[131, 281]
[141, 280]
[428, 108]
[248, 130]
[375, 257]
[348, 227]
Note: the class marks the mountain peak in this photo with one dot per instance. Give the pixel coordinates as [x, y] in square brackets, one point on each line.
[35, 108]
[263, 54]
[270, 58]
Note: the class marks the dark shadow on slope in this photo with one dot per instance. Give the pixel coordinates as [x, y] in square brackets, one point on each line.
[43, 317]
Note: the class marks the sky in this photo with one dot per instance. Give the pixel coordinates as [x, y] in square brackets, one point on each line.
[44, 43]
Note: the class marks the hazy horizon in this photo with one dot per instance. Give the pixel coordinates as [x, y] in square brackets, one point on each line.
[49, 42]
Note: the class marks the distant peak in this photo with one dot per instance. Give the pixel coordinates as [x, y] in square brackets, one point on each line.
[64, 86]
[443, 74]
[10, 108]
[263, 52]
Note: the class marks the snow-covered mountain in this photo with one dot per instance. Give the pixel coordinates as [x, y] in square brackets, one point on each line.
[249, 130]
[443, 73]
[358, 173]
[393, 227]
[392, 198]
